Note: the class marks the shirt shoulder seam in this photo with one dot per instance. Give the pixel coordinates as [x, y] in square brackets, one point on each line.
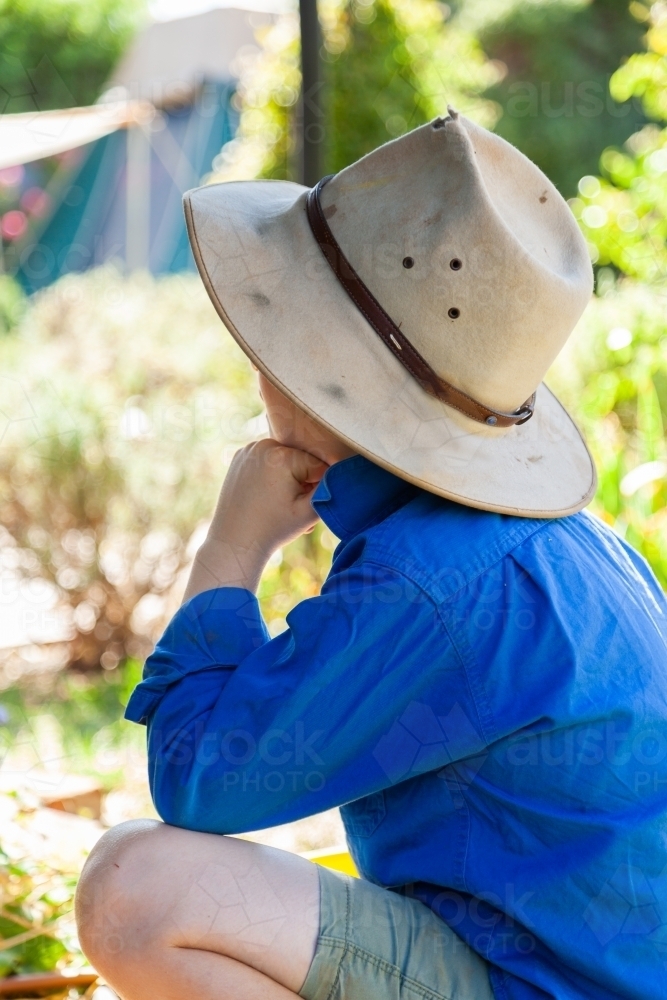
[382, 555]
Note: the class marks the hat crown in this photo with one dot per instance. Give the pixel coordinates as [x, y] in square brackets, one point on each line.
[497, 277]
[470, 249]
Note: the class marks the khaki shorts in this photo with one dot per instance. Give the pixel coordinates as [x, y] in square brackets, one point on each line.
[377, 945]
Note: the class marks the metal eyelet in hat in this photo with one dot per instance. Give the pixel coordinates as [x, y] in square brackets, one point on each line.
[408, 262]
[453, 313]
[456, 264]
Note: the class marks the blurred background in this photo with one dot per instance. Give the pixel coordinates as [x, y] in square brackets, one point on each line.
[122, 397]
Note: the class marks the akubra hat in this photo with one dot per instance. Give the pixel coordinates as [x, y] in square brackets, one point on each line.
[413, 303]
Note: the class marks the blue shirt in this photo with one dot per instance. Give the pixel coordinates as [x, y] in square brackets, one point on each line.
[486, 698]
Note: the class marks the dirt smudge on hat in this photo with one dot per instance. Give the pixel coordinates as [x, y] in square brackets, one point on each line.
[334, 391]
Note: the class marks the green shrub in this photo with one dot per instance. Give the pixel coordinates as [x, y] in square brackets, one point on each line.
[123, 401]
[36, 929]
[559, 55]
[59, 53]
[392, 65]
[612, 376]
[12, 304]
[389, 65]
[624, 213]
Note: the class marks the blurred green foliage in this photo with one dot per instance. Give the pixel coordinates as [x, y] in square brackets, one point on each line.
[12, 303]
[612, 376]
[559, 56]
[59, 53]
[372, 84]
[613, 373]
[118, 396]
[124, 400]
[624, 212]
[84, 710]
[36, 930]
[389, 65]
[266, 98]
[537, 71]
[645, 74]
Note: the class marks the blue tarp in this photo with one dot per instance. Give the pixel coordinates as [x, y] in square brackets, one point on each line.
[90, 224]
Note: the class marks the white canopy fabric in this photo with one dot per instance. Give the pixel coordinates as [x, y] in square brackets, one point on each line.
[33, 135]
[168, 60]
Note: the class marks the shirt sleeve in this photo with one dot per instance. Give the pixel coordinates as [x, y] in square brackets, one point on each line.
[212, 633]
[363, 689]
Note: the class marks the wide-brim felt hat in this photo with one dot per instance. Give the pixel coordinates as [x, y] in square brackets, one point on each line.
[412, 304]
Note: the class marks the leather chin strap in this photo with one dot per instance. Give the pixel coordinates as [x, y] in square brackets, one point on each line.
[396, 341]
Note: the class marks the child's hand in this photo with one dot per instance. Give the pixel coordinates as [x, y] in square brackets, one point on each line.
[264, 503]
[265, 498]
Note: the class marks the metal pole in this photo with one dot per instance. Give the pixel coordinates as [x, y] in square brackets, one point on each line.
[312, 127]
[138, 198]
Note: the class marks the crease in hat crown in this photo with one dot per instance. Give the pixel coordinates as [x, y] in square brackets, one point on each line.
[525, 276]
[491, 325]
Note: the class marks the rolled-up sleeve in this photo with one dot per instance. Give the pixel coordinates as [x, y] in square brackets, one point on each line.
[216, 629]
[247, 732]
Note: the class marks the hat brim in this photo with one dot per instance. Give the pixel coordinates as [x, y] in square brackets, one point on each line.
[280, 300]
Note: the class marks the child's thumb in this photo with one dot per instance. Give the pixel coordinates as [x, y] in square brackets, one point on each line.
[306, 468]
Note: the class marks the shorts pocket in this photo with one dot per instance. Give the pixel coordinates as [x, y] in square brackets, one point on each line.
[363, 816]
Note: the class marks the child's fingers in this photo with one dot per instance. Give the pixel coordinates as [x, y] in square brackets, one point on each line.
[306, 468]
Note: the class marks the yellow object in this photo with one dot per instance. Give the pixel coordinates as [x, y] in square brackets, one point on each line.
[335, 857]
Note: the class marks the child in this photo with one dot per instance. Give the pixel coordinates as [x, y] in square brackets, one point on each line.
[482, 684]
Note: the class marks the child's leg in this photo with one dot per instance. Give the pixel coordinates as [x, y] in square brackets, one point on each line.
[165, 913]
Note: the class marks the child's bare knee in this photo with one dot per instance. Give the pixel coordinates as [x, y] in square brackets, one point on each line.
[111, 902]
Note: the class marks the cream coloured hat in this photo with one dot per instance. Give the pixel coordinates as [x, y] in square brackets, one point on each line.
[413, 304]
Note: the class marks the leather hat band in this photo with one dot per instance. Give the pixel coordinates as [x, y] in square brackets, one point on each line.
[396, 341]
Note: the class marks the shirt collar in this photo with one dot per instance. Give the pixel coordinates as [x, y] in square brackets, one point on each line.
[355, 494]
